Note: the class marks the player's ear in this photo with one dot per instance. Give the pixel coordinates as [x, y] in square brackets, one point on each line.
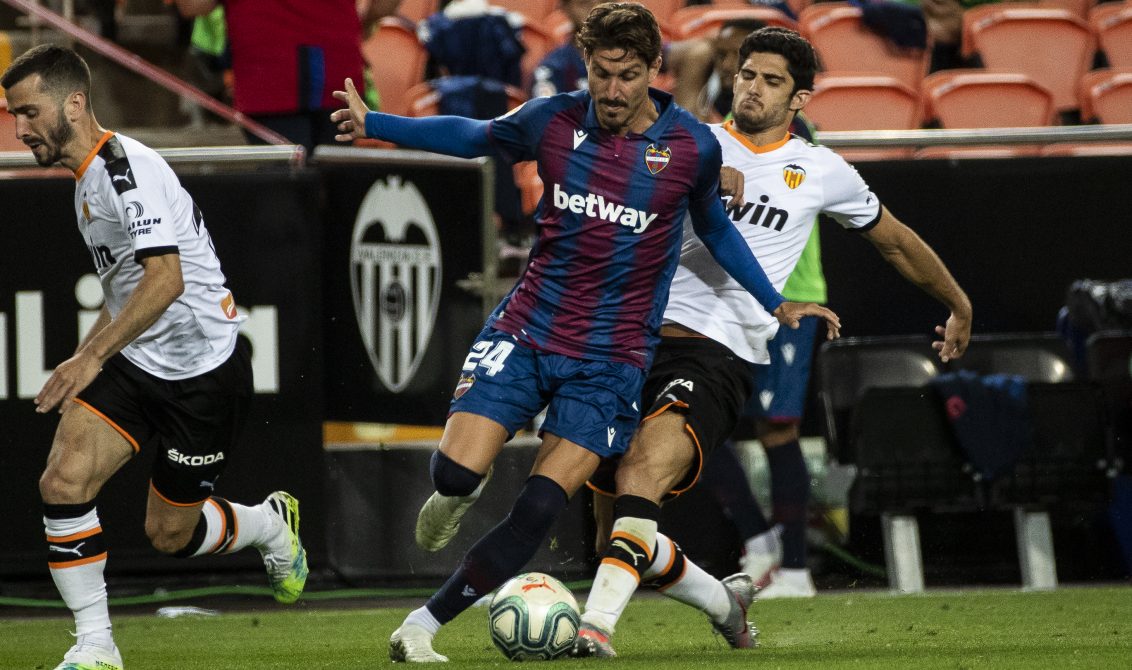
[75, 105]
[654, 68]
[799, 99]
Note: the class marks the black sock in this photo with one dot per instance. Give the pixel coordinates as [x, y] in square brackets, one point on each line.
[790, 493]
[503, 552]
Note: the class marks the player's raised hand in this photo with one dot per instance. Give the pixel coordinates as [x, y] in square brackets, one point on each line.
[71, 377]
[790, 315]
[731, 184]
[351, 122]
[956, 335]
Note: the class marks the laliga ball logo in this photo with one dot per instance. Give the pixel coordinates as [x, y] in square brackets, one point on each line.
[395, 279]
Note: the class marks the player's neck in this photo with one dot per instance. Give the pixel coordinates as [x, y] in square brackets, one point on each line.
[87, 135]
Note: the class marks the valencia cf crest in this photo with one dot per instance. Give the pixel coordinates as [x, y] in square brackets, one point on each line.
[395, 273]
[794, 175]
[657, 157]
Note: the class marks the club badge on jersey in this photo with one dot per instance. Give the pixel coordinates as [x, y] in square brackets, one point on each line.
[657, 157]
[794, 175]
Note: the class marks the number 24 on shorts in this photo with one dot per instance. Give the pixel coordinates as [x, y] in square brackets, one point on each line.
[488, 356]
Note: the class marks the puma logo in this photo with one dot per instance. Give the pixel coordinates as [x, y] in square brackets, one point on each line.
[122, 177]
[624, 546]
[63, 550]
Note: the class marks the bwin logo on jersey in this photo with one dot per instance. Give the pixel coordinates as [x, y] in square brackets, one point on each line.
[395, 279]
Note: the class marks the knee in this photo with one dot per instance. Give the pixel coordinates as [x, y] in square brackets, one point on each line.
[450, 478]
[166, 537]
[776, 434]
[57, 487]
[538, 506]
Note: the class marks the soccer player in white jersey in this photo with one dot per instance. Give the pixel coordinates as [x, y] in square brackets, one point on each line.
[162, 367]
[713, 333]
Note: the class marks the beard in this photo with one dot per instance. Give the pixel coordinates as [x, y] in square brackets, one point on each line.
[753, 122]
[57, 137]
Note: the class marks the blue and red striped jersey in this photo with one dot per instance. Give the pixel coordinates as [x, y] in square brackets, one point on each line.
[609, 224]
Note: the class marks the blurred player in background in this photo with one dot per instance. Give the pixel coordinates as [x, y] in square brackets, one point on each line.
[162, 367]
[713, 334]
[621, 164]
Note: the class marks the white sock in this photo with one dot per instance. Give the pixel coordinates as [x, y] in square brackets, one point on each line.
[628, 556]
[77, 561]
[694, 587]
[423, 618]
[252, 526]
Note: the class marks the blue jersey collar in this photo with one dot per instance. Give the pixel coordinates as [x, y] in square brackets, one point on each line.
[665, 106]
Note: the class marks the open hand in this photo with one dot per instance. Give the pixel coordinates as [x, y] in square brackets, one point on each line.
[351, 122]
[790, 315]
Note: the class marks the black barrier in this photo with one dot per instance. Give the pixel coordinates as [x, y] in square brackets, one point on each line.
[266, 230]
[1015, 233]
[403, 228]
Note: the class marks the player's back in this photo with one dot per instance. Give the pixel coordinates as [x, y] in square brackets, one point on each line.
[609, 224]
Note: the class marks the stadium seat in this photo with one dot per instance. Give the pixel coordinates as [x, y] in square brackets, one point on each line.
[533, 10]
[1053, 46]
[850, 365]
[558, 26]
[8, 141]
[397, 60]
[418, 10]
[1078, 7]
[863, 102]
[538, 44]
[1039, 357]
[1106, 96]
[1112, 22]
[1088, 149]
[529, 183]
[986, 99]
[663, 9]
[707, 23]
[844, 44]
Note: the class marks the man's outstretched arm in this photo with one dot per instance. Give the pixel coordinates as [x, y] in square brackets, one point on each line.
[913, 258]
[451, 135]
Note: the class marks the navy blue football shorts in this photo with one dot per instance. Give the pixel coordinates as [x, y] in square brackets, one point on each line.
[780, 388]
[594, 404]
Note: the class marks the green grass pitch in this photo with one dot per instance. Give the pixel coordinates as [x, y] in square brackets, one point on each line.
[993, 629]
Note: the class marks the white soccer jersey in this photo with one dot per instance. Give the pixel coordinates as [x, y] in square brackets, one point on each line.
[786, 185]
[131, 206]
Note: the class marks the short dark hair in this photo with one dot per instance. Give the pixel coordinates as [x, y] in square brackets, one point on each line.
[801, 62]
[63, 71]
[621, 25]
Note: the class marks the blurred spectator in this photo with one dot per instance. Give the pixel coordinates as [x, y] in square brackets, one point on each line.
[472, 38]
[288, 56]
[564, 70]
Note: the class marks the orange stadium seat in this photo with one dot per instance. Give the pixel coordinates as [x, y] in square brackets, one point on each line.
[8, 141]
[397, 60]
[846, 101]
[418, 10]
[532, 10]
[1054, 46]
[1078, 7]
[986, 99]
[529, 183]
[559, 26]
[844, 44]
[1106, 95]
[1112, 22]
[663, 9]
[1088, 149]
[707, 24]
[538, 43]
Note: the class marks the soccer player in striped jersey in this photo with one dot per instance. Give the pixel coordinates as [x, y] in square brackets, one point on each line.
[621, 164]
[162, 367]
[713, 334]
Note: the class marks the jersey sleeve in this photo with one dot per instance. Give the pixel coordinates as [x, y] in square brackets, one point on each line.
[516, 134]
[143, 205]
[847, 198]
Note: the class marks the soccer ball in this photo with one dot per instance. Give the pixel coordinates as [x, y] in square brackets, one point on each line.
[533, 617]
